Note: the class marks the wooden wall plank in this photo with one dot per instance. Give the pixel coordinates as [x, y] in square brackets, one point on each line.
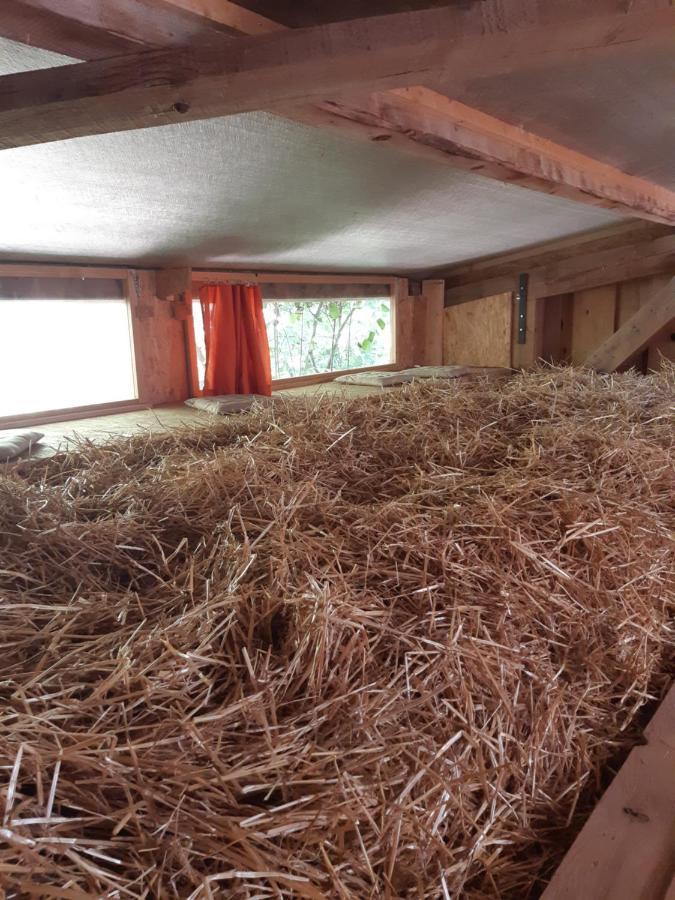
[594, 320]
[663, 346]
[632, 294]
[557, 328]
[654, 316]
[479, 333]
[404, 312]
[628, 300]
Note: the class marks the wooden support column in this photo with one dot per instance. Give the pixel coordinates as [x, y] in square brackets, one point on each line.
[403, 308]
[159, 343]
[428, 324]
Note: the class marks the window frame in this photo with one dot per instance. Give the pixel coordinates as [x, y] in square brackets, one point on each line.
[398, 291]
[63, 414]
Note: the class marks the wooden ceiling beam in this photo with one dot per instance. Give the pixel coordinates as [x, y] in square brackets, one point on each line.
[587, 266]
[547, 253]
[44, 27]
[591, 270]
[237, 18]
[89, 29]
[167, 86]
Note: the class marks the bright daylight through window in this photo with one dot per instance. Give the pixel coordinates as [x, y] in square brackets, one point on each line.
[60, 353]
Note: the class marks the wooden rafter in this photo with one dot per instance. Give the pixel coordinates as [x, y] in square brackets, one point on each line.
[232, 15]
[650, 319]
[569, 265]
[59, 32]
[622, 234]
[88, 29]
[158, 87]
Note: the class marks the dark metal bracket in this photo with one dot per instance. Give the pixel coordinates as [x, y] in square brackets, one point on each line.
[522, 307]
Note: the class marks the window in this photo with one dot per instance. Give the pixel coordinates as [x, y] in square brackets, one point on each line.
[60, 348]
[310, 337]
[200, 343]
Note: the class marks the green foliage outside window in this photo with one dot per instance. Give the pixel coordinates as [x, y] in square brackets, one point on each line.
[312, 336]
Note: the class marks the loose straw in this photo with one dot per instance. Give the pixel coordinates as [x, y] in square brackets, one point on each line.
[385, 647]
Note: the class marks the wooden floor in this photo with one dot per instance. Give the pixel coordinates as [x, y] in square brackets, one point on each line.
[58, 435]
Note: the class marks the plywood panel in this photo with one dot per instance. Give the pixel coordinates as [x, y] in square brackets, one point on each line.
[594, 320]
[478, 333]
[628, 301]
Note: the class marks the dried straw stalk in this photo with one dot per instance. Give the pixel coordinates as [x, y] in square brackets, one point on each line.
[376, 648]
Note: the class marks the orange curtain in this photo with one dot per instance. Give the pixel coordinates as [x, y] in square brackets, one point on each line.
[237, 351]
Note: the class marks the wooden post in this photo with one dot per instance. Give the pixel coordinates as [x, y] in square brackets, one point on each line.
[402, 326]
[429, 321]
[159, 343]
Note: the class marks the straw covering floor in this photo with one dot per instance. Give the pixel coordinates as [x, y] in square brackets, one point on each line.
[372, 648]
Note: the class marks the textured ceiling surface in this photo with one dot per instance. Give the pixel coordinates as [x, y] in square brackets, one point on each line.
[257, 190]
